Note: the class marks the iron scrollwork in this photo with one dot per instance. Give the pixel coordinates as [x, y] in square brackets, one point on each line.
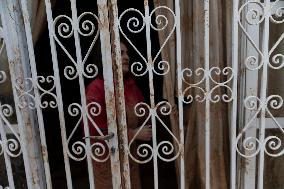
[11, 146]
[86, 28]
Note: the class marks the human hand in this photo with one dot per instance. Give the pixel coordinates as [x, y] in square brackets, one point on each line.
[145, 133]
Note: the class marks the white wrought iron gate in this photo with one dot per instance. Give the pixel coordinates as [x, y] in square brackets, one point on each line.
[33, 93]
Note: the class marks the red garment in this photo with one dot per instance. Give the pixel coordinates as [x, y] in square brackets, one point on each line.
[95, 93]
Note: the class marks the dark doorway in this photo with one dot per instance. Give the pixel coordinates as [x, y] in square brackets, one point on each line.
[167, 176]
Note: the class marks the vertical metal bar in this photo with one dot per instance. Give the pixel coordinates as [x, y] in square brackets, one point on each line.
[31, 129]
[82, 90]
[207, 85]
[109, 91]
[15, 69]
[34, 147]
[59, 98]
[150, 68]
[235, 92]
[265, 51]
[180, 93]
[36, 91]
[120, 102]
[250, 86]
[6, 156]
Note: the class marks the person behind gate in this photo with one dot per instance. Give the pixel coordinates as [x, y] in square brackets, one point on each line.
[95, 93]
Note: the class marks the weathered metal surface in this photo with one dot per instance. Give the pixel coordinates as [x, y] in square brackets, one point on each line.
[79, 68]
[251, 143]
[35, 81]
[207, 93]
[120, 103]
[180, 96]
[59, 98]
[152, 112]
[19, 71]
[1, 187]
[235, 63]
[28, 92]
[79, 71]
[109, 91]
[6, 111]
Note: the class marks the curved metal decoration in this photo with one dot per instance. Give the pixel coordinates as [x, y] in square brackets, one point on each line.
[134, 25]
[251, 145]
[255, 16]
[165, 149]
[100, 149]
[26, 96]
[201, 74]
[86, 28]
[2, 42]
[137, 24]
[47, 92]
[25, 93]
[7, 187]
[277, 16]
[3, 77]
[11, 146]
[1, 148]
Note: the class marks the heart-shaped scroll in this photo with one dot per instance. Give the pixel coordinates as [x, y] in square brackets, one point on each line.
[85, 28]
[250, 146]
[134, 25]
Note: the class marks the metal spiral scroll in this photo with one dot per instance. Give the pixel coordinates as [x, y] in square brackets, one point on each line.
[47, 92]
[188, 74]
[25, 93]
[227, 72]
[277, 17]
[86, 28]
[145, 152]
[78, 152]
[166, 148]
[2, 43]
[254, 16]
[252, 145]
[277, 60]
[100, 150]
[274, 143]
[3, 77]
[11, 146]
[1, 148]
[7, 187]
[249, 144]
[136, 25]
[201, 74]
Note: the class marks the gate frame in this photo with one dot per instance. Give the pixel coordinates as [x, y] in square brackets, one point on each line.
[16, 46]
